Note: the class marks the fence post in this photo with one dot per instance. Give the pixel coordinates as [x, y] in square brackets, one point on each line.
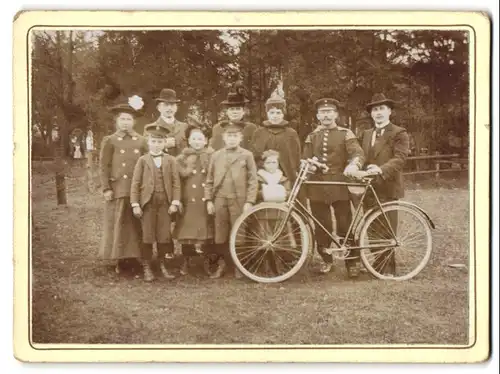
[438, 165]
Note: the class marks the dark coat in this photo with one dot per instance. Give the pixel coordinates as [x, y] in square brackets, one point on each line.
[118, 156]
[194, 224]
[242, 170]
[217, 143]
[143, 180]
[176, 130]
[335, 147]
[389, 153]
[283, 139]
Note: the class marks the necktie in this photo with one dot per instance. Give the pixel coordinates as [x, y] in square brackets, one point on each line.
[378, 132]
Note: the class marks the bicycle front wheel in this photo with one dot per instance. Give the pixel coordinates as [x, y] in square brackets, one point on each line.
[403, 247]
[269, 244]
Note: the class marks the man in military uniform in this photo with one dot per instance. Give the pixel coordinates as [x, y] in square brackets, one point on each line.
[386, 147]
[338, 148]
[167, 106]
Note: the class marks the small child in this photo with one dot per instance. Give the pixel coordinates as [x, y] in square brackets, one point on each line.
[155, 196]
[194, 228]
[230, 188]
[273, 187]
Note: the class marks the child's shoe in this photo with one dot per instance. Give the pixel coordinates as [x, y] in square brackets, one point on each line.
[221, 266]
[148, 272]
[166, 274]
[185, 266]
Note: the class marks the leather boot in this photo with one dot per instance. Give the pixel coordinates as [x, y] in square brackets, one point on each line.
[148, 272]
[166, 273]
[221, 267]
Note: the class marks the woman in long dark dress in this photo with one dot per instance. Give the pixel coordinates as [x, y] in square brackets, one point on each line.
[119, 154]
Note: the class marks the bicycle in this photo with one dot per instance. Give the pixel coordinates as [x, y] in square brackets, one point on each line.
[264, 251]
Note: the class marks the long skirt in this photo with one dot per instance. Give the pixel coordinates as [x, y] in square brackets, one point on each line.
[122, 231]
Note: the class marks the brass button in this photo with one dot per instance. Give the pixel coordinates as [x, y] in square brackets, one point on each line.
[194, 185]
[193, 199]
[136, 151]
[194, 171]
[122, 151]
[124, 164]
[125, 176]
[120, 138]
[134, 137]
[203, 170]
[203, 184]
[203, 199]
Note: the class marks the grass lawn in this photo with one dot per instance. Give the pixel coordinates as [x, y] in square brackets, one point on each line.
[76, 299]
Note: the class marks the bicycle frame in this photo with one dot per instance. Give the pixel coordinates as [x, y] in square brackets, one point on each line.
[295, 205]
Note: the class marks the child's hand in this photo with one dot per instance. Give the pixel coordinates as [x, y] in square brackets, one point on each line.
[210, 208]
[173, 209]
[108, 195]
[247, 206]
[137, 211]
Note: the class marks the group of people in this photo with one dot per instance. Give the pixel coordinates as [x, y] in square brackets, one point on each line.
[172, 183]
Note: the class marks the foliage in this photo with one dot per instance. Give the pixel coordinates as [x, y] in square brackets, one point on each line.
[78, 74]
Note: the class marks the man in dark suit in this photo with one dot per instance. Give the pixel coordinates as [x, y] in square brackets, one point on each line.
[386, 147]
[167, 106]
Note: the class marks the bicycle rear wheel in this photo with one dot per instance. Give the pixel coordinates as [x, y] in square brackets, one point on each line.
[269, 244]
[397, 261]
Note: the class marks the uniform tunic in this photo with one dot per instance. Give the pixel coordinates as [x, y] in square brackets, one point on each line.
[194, 225]
[335, 147]
[216, 141]
[122, 231]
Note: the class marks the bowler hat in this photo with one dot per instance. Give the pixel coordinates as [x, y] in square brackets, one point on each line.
[327, 102]
[235, 99]
[380, 99]
[156, 130]
[168, 95]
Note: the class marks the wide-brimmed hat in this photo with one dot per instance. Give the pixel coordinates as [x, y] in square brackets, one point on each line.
[235, 99]
[327, 102]
[380, 99]
[167, 95]
[131, 105]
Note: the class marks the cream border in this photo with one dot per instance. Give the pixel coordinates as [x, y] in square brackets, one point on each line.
[479, 172]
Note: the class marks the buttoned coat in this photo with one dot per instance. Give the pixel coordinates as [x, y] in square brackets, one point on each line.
[194, 224]
[216, 141]
[389, 152]
[242, 171]
[118, 156]
[177, 130]
[143, 180]
[336, 147]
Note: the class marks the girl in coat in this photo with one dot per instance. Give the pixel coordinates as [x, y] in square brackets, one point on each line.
[194, 228]
[118, 156]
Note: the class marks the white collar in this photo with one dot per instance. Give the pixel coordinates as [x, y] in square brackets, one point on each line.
[381, 126]
[169, 121]
[156, 154]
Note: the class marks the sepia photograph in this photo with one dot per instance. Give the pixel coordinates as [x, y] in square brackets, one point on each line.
[253, 184]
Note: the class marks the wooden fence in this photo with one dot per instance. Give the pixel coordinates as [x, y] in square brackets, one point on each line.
[452, 162]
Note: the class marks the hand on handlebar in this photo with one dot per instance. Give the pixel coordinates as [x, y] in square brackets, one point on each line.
[315, 164]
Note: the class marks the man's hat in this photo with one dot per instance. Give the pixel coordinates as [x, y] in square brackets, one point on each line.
[168, 95]
[131, 105]
[327, 103]
[235, 99]
[157, 131]
[380, 99]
